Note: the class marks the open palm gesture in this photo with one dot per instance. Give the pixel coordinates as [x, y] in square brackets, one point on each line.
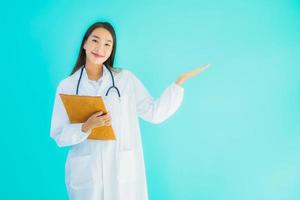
[187, 75]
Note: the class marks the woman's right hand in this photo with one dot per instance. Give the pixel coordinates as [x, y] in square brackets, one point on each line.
[96, 120]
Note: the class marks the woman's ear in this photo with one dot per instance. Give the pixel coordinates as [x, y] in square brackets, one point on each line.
[84, 45]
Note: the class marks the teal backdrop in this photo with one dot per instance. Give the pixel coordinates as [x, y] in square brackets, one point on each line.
[236, 135]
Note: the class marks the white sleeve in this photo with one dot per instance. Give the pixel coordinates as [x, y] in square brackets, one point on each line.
[62, 131]
[157, 110]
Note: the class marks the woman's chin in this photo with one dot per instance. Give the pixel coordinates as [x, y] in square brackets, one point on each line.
[97, 61]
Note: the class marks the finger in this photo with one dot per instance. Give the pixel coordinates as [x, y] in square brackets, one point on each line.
[100, 120]
[104, 121]
[202, 68]
[108, 120]
[105, 117]
[108, 115]
[206, 66]
[108, 123]
[198, 70]
[98, 113]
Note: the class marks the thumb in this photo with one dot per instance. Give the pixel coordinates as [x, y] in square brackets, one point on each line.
[98, 113]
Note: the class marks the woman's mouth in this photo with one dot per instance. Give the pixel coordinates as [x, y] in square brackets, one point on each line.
[97, 55]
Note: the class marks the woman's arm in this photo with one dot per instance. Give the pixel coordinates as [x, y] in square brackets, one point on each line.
[158, 110]
[64, 133]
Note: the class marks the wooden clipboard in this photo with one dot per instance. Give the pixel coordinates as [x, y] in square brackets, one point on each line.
[80, 108]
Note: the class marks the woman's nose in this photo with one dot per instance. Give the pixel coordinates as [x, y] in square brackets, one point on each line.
[99, 47]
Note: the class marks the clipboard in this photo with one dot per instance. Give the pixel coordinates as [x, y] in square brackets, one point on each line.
[80, 108]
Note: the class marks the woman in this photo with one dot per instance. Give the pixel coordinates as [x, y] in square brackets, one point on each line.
[109, 169]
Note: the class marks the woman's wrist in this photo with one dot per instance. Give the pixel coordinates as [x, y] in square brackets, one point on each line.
[85, 127]
[180, 81]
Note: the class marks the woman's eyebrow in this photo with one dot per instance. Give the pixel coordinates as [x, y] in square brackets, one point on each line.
[99, 38]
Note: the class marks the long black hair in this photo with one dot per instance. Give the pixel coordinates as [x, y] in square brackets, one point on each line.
[82, 56]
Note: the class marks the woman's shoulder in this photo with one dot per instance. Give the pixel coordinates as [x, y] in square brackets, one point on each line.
[68, 82]
[122, 72]
[125, 80]
[125, 72]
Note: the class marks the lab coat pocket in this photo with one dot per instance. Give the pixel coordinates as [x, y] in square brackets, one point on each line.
[126, 167]
[80, 172]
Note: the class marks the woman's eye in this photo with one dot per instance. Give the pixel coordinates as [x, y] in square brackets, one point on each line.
[95, 40]
[107, 44]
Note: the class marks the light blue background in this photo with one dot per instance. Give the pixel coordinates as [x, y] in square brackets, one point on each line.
[236, 135]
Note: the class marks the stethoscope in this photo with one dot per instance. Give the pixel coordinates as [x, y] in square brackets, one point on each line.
[111, 87]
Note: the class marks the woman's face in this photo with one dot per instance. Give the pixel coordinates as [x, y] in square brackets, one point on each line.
[98, 46]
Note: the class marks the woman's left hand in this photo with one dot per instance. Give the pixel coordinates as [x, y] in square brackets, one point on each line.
[187, 75]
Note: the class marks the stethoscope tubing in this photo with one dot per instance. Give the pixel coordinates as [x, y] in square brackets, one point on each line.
[107, 92]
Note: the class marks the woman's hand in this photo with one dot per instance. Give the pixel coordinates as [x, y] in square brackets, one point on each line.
[96, 120]
[187, 75]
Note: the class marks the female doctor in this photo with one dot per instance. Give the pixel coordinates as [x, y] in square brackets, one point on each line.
[109, 169]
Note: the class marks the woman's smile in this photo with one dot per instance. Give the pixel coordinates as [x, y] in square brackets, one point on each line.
[97, 55]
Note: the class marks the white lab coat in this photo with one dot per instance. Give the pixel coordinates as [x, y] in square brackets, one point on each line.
[110, 170]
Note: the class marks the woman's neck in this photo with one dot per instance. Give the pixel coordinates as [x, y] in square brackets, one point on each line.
[94, 71]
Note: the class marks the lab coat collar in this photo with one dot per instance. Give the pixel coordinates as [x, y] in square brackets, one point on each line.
[104, 75]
